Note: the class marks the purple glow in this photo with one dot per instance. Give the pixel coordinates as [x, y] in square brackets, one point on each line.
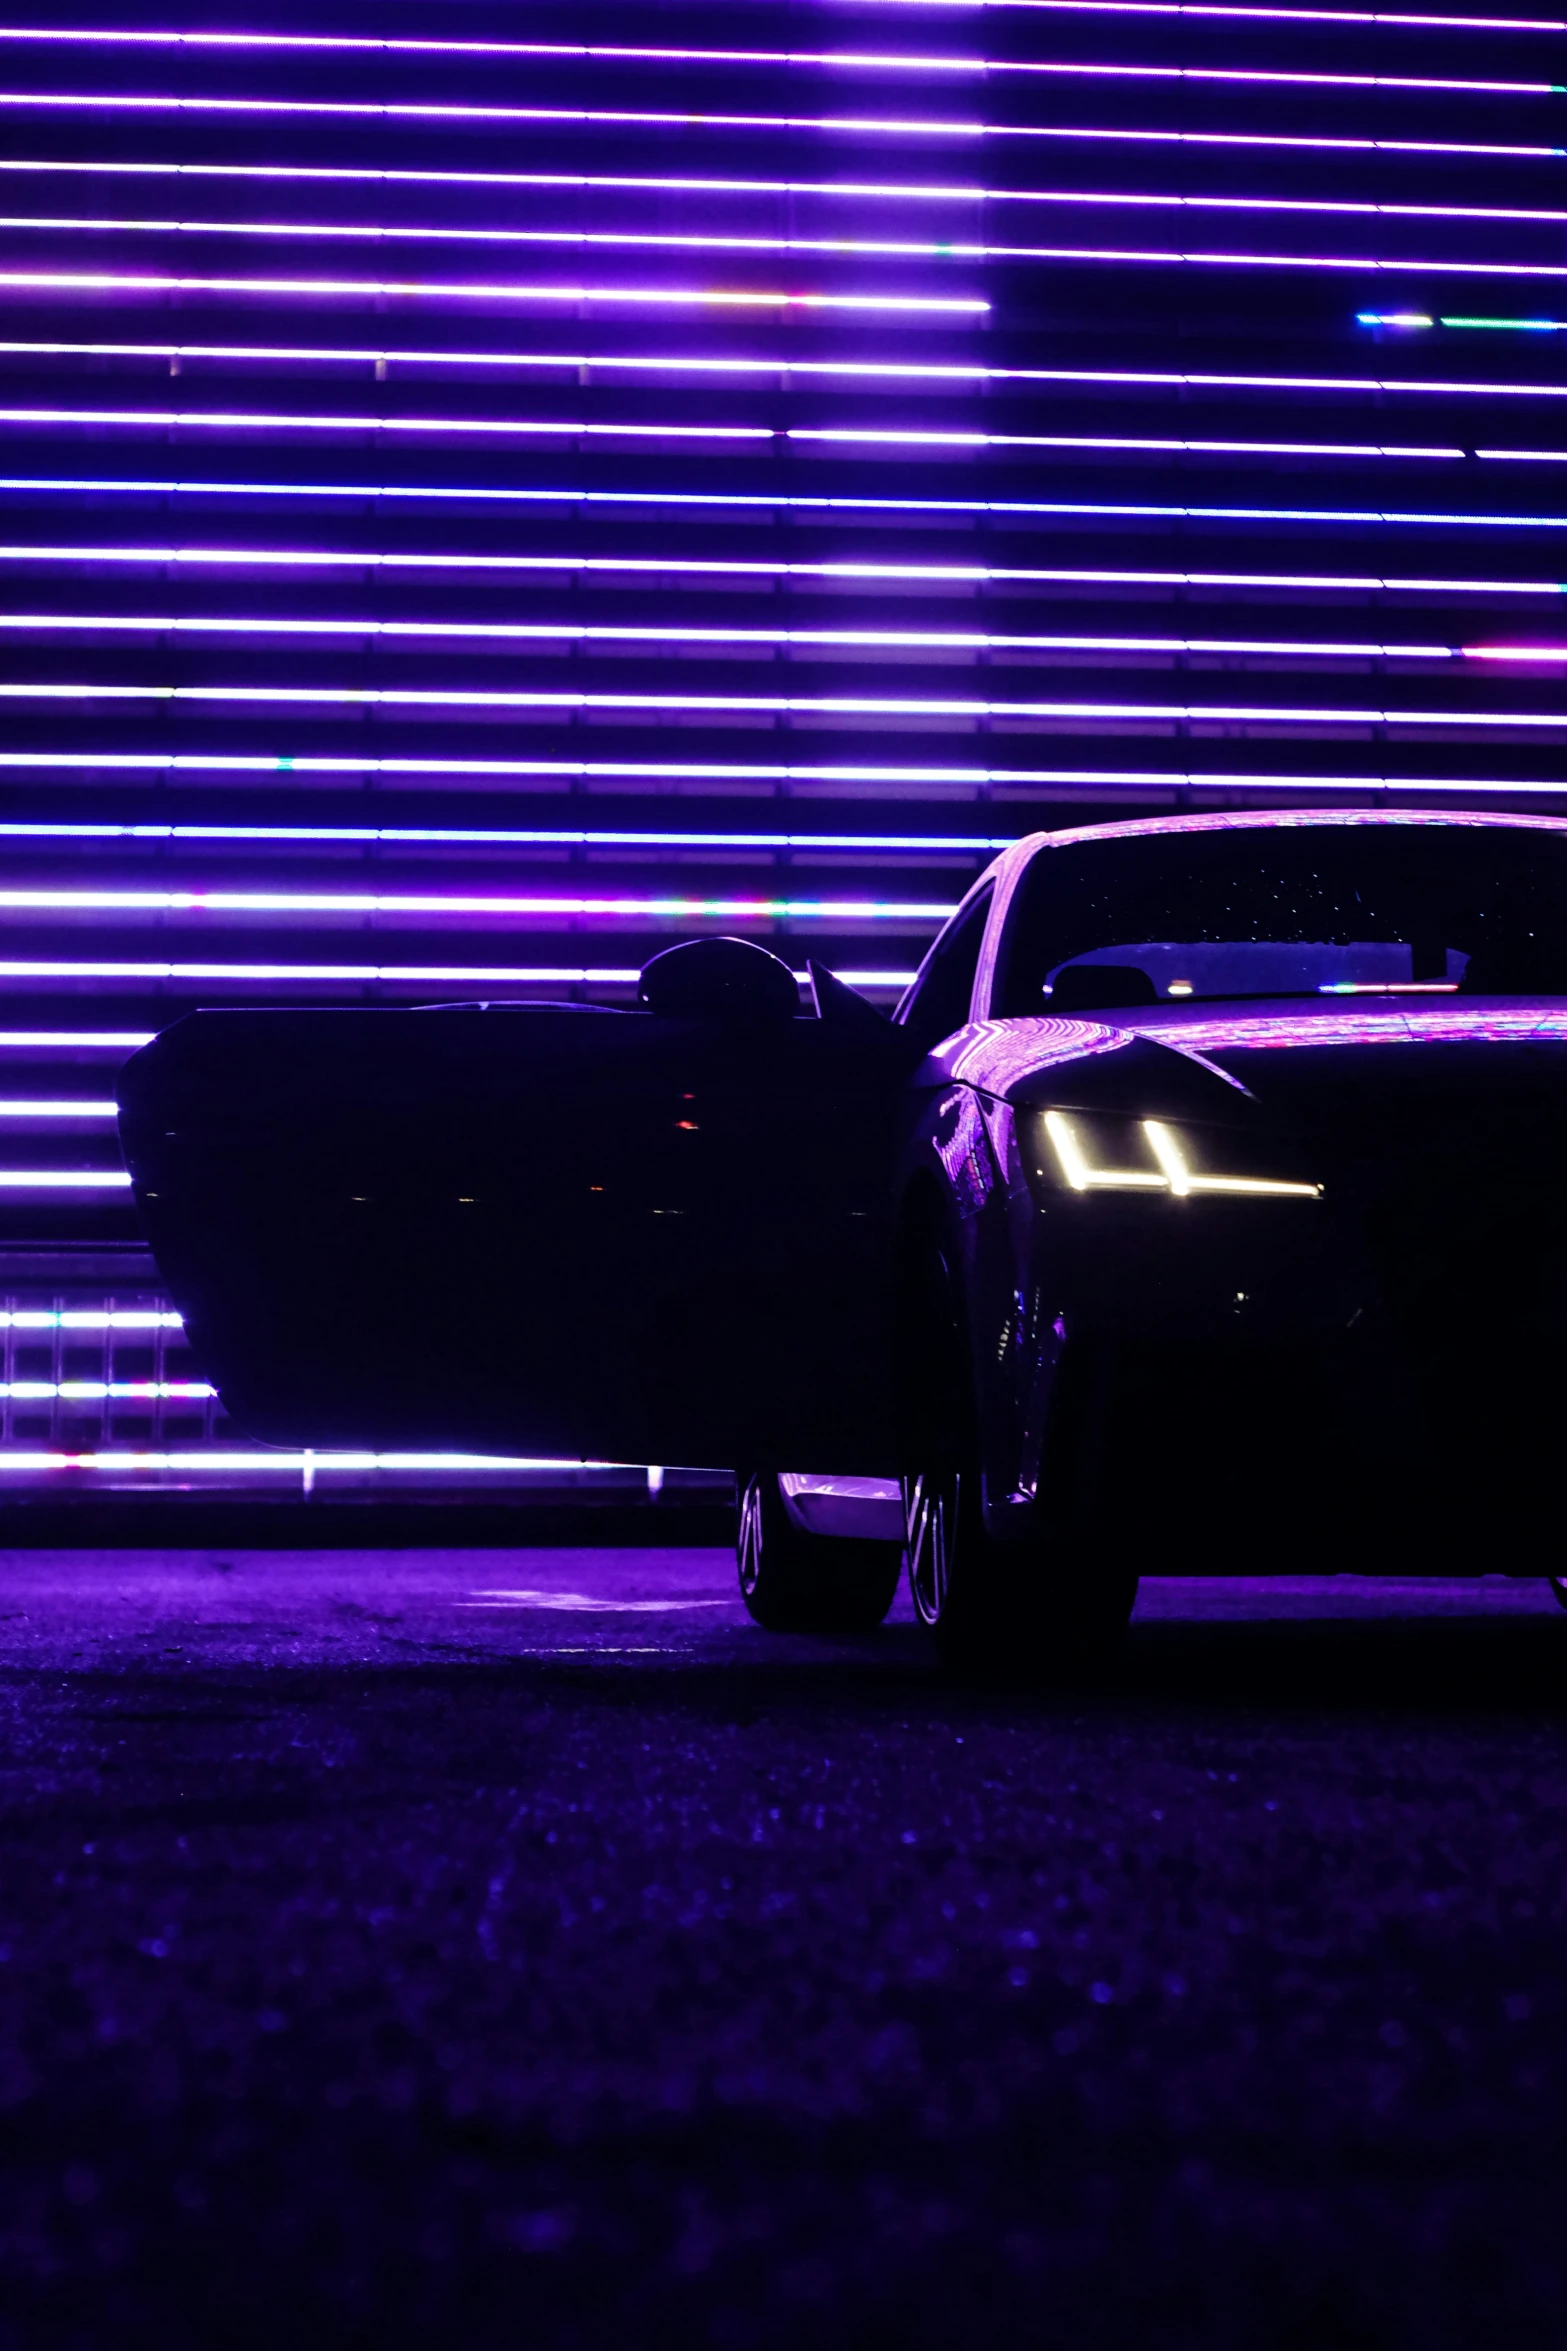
[430, 903]
[935, 574]
[291, 1464]
[96, 1391]
[345, 975]
[707, 242]
[69, 1179]
[899, 371]
[864, 640]
[685, 184]
[112, 102]
[876, 437]
[55, 1109]
[822, 705]
[779, 774]
[1431, 1025]
[269, 419]
[78, 1040]
[1206, 8]
[850, 60]
[90, 1319]
[132, 282]
[473, 837]
[783, 502]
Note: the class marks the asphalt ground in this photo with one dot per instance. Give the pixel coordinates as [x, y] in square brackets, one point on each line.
[520, 1948]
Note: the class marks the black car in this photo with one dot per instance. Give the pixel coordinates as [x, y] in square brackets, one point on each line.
[1203, 1206]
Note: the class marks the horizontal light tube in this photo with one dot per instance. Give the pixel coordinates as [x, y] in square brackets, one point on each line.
[616, 907]
[858, 126]
[792, 502]
[39, 1110]
[938, 575]
[67, 1179]
[347, 975]
[682, 183]
[75, 1040]
[915, 641]
[854, 61]
[711, 241]
[777, 775]
[275, 420]
[100, 1391]
[134, 1318]
[867, 844]
[1217, 8]
[875, 372]
[272, 420]
[702, 297]
[230, 1464]
[814, 705]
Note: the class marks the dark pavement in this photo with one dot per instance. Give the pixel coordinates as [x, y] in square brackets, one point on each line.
[519, 1948]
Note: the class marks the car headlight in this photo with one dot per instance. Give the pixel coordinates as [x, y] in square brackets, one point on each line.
[1153, 1157]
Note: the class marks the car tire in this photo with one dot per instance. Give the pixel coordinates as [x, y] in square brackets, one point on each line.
[1010, 1607]
[792, 1582]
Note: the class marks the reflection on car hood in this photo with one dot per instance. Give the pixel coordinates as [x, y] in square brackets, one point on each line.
[1241, 1043]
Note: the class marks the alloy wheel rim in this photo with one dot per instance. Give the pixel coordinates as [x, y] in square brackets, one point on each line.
[932, 1504]
[751, 1536]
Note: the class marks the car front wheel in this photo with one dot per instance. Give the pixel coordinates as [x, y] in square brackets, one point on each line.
[1018, 1606]
[793, 1582]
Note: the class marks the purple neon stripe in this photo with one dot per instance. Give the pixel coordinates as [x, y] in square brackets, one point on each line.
[939, 575]
[493, 837]
[778, 776]
[1209, 8]
[831, 706]
[687, 184]
[420, 903]
[1138, 257]
[68, 1179]
[229, 1463]
[240, 420]
[869, 641]
[877, 371]
[858, 126]
[855, 61]
[726, 241]
[790, 501]
[118, 281]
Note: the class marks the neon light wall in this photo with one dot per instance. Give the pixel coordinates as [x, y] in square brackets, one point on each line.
[476, 508]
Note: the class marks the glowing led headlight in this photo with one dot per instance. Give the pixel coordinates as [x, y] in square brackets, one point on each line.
[1168, 1167]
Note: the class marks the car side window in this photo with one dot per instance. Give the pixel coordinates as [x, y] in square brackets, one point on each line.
[942, 993]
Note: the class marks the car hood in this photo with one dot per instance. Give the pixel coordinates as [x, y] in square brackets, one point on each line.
[1292, 1057]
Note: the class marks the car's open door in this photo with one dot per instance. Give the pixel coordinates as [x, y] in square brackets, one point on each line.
[539, 1229]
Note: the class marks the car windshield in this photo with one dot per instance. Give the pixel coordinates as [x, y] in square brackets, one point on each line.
[1336, 909]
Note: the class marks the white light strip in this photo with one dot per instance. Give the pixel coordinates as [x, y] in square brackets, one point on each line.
[268, 420]
[350, 975]
[858, 126]
[718, 241]
[229, 1464]
[98, 1391]
[75, 1040]
[848, 60]
[915, 641]
[874, 372]
[37, 1110]
[860, 778]
[294, 903]
[68, 1179]
[29, 1318]
[702, 297]
[773, 502]
[682, 184]
[843, 706]
[573, 428]
[1216, 8]
[940, 575]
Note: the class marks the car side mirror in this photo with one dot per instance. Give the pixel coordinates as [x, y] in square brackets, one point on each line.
[730, 980]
